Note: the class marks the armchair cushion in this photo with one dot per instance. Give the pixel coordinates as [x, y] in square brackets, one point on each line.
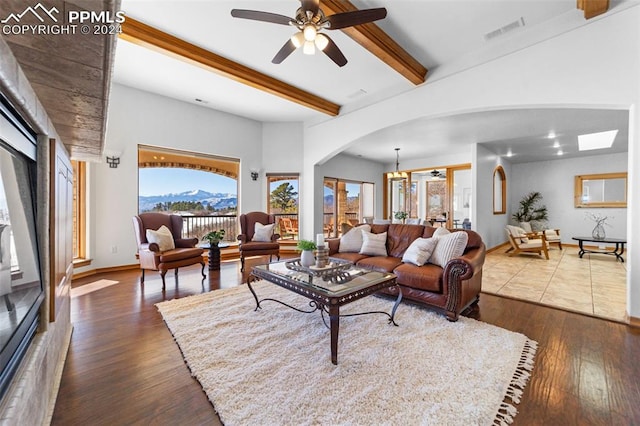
[518, 233]
[162, 237]
[263, 233]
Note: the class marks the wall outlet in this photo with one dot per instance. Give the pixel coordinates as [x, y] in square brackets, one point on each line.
[114, 249]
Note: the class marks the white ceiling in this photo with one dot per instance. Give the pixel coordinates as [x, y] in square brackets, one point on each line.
[439, 34]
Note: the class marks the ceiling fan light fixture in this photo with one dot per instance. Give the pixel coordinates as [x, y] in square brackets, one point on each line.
[309, 48]
[321, 41]
[298, 39]
[310, 32]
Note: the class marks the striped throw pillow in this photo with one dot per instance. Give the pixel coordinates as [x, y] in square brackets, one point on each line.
[374, 244]
[448, 247]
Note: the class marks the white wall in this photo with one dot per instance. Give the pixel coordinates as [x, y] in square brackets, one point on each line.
[282, 148]
[490, 226]
[555, 181]
[138, 117]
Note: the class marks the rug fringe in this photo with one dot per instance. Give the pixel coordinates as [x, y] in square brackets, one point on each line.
[507, 411]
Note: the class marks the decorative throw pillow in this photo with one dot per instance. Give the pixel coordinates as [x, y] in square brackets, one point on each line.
[263, 233]
[440, 232]
[162, 237]
[448, 247]
[374, 244]
[351, 242]
[419, 251]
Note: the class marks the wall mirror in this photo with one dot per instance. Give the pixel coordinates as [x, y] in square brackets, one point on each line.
[499, 191]
[601, 190]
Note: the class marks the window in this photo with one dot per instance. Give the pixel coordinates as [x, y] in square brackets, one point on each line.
[346, 203]
[79, 209]
[201, 188]
[283, 203]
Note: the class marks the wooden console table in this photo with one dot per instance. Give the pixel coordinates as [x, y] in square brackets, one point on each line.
[617, 252]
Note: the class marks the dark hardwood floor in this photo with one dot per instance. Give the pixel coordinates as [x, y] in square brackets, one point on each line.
[123, 367]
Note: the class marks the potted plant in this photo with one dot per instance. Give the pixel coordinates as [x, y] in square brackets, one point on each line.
[529, 210]
[306, 256]
[400, 215]
[214, 237]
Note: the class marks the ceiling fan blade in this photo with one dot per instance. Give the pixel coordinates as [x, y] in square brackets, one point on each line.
[357, 17]
[284, 52]
[261, 16]
[332, 51]
[311, 6]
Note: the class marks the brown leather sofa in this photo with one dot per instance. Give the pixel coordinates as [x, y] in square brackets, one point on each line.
[451, 289]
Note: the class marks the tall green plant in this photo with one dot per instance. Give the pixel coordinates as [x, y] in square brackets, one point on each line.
[530, 210]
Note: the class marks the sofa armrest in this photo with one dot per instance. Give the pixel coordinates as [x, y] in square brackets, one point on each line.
[455, 272]
[186, 242]
[242, 238]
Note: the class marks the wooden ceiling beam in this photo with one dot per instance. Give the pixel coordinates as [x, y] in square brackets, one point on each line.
[376, 41]
[147, 36]
[593, 7]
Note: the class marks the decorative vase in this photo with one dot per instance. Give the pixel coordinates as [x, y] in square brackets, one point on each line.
[598, 232]
[307, 258]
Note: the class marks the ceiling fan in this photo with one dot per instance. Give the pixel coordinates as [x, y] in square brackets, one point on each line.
[310, 21]
[436, 174]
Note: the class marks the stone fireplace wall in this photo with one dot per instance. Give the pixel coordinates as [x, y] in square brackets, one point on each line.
[31, 396]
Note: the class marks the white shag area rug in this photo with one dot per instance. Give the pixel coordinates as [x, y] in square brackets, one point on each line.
[273, 366]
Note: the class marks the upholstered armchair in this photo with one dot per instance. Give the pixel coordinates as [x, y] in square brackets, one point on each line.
[524, 242]
[257, 236]
[161, 249]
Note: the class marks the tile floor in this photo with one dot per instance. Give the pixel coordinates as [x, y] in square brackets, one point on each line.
[595, 285]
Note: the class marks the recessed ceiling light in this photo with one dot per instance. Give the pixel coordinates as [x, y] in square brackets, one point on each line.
[560, 152]
[596, 140]
[556, 144]
[509, 153]
[551, 135]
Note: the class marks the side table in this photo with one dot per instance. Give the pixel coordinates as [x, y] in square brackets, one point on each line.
[214, 254]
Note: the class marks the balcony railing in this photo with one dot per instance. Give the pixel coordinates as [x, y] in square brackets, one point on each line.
[198, 226]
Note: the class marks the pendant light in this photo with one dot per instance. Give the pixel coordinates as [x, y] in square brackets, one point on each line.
[397, 175]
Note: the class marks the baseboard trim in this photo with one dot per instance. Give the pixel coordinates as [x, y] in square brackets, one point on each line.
[498, 247]
[107, 269]
[633, 321]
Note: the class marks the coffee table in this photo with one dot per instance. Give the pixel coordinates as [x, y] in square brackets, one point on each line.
[618, 251]
[326, 297]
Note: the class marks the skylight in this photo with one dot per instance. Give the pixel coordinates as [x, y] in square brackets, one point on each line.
[596, 140]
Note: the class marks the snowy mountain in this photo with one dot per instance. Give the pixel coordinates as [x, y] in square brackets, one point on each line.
[217, 200]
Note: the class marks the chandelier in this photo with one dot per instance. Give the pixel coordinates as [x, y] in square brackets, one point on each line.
[397, 175]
